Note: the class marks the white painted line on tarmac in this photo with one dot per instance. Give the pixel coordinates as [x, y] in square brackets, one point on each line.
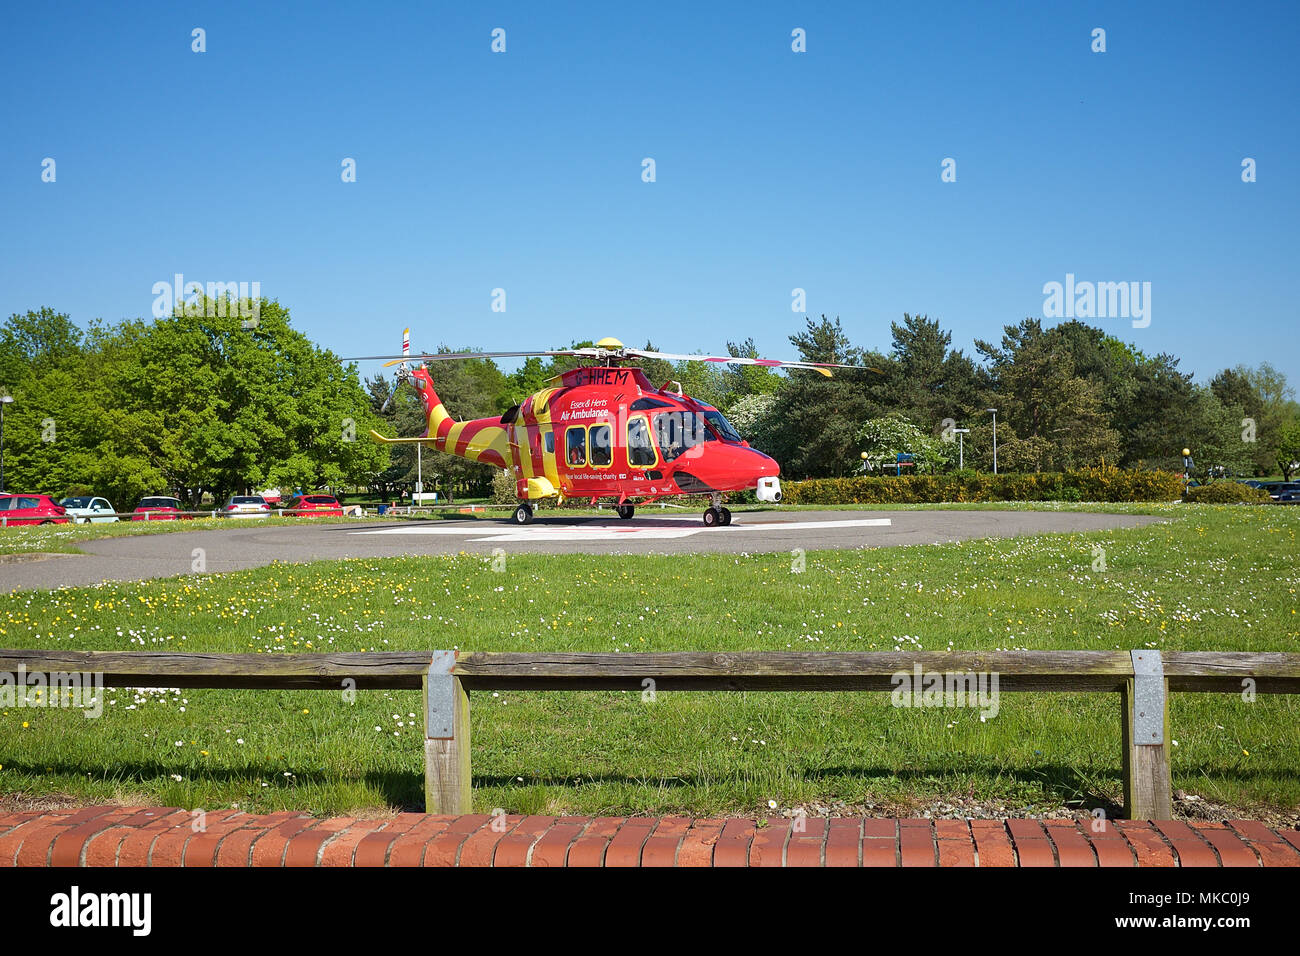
[521, 536]
[421, 529]
[815, 525]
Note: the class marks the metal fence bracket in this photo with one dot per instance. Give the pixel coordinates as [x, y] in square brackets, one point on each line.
[440, 691]
[1148, 697]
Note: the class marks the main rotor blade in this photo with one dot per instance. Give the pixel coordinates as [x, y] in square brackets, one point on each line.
[456, 356]
[820, 367]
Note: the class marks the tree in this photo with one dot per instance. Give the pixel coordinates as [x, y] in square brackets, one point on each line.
[755, 417]
[884, 439]
[1272, 405]
[824, 341]
[745, 380]
[819, 416]
[928, 381]
[1288, 449]
[528, 379]
[35, 340]
[191, 404]
[1044, 403]
[1233, 387]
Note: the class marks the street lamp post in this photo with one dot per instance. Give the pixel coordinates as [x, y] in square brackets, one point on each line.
[995, 438]
[419, 471]
[4, 400]
[961, 447]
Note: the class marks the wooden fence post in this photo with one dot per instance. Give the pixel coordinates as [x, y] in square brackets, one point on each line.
[1144, 714]
[446, 739]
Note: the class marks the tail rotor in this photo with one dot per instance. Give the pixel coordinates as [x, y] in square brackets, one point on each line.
[403, 371]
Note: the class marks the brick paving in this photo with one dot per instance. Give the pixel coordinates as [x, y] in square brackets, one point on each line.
[169, 836]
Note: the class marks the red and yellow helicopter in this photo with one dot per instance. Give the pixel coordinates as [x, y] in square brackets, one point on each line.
[602, 431]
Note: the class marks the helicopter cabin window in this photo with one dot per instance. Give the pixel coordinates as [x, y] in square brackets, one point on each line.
[642, 404]
[601, 456]
[575, 440]
[640, 446]
[550, 443]
[678, 432]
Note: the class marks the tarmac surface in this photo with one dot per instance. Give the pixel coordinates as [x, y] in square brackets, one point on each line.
[250, 546]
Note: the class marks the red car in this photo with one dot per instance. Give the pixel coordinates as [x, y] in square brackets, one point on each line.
[31, 509]
[313, 506]
[157, 508]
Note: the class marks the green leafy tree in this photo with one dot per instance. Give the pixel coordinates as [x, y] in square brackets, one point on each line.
[1270, 405]
[1044, 403]
[820, 416]
[884, 439]
[190, 404]
[926, 380]
[1288, 449]
[757, 419]
[744, 380]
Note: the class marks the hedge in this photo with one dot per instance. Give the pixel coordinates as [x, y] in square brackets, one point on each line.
[1106, 483]
[1227, 493]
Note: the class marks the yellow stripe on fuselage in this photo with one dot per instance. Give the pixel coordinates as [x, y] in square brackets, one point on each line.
[542, 411]
[491, 439]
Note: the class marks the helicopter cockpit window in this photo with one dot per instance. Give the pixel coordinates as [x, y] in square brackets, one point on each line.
[679, 432]
[640, 446]
[723, 426]
[600, 446]
[575, 440]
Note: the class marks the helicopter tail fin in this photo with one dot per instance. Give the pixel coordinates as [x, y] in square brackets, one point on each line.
[482, 439]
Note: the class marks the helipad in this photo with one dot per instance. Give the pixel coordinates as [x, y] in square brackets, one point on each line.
[250, 546]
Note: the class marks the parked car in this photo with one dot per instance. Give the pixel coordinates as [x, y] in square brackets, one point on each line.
[1283, 490]
[157, 508]
[87, 508]
[245, 506]
[313, 506]
[31, 509]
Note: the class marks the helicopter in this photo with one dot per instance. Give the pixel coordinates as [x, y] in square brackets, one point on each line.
[601, 431]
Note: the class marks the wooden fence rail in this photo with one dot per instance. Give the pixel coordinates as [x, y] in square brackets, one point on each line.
[1142, 678]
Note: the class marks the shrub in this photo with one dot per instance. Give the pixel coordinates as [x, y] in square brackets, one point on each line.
[1106, 483]
[1226, 493]
[503, 487]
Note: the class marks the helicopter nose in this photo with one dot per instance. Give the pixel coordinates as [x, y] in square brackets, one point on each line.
[769, 467]
[723, 467]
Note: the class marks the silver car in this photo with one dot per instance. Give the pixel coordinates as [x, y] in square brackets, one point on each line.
[245, 506]
[87, 508]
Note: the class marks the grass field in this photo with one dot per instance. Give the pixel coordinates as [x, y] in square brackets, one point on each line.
[1209, 578]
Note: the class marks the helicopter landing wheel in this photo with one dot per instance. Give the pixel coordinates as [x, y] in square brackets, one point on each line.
[625, 511]
[726, 516]
[523, 514]
[713, 517]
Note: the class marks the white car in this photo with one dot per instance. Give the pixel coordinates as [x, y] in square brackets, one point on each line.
[245, 506]
[85, 509]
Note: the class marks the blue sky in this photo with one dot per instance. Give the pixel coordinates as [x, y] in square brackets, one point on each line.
[775, 170]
